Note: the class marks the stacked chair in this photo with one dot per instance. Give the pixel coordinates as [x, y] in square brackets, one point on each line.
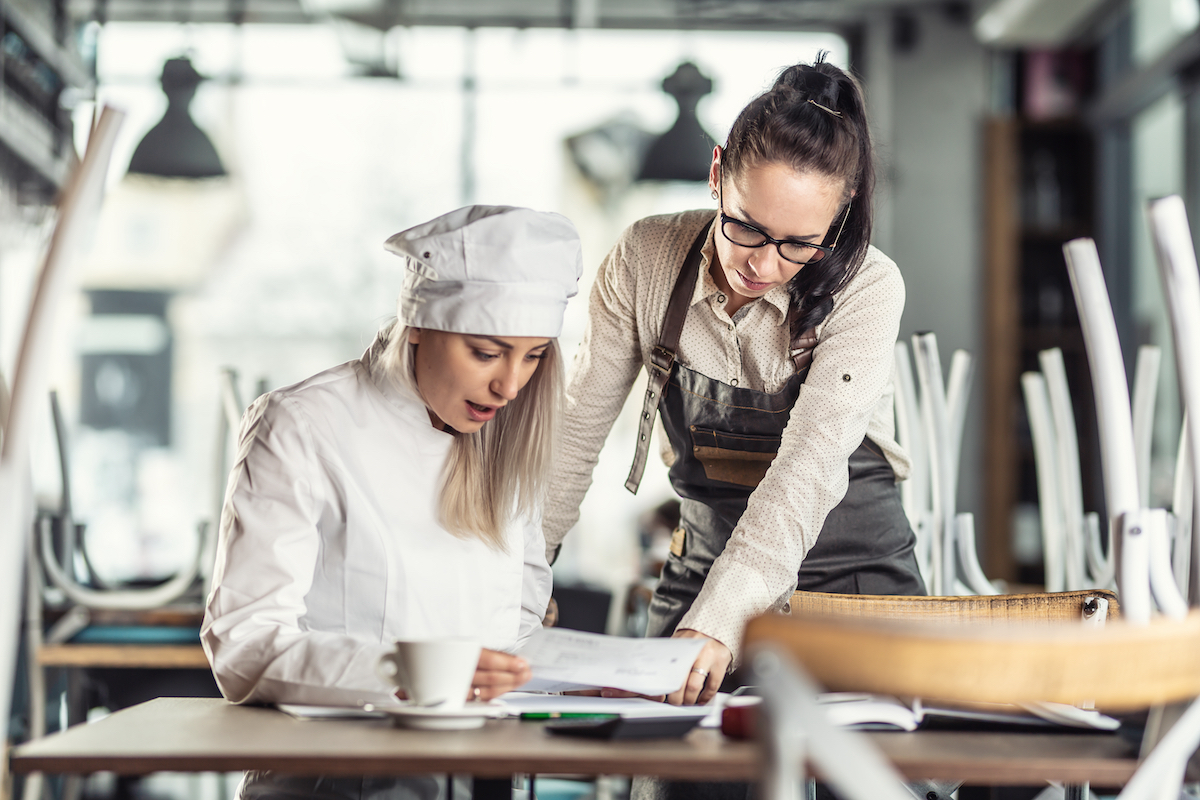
[1148, 659]
[99, 626]
[929, 425]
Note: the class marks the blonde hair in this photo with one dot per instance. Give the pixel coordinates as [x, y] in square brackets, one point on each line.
[502, 471]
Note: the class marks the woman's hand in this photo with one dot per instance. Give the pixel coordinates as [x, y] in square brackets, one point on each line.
[708, 671]
[498, 673]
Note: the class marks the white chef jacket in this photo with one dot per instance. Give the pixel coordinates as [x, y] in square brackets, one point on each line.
[330, 548]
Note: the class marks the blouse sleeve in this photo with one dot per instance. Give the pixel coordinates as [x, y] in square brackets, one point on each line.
[605, 367]
[851, 368]
[268, 549]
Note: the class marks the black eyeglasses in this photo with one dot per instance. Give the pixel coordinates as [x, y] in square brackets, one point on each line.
[746, 235]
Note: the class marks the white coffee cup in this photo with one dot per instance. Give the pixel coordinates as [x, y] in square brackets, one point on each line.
[434, 673]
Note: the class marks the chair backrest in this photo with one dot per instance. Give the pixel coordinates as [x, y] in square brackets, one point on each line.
[1131, 666]
[991, 609]
[59, 567]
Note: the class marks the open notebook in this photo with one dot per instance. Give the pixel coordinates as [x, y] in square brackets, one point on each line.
[882, 712]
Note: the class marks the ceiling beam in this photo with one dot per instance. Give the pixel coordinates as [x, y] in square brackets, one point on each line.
[736, 15]
[1144, 86]
[193, 11]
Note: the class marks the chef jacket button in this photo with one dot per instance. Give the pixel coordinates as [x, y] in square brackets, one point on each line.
[733, 382]
[846, 377]
[720, 298]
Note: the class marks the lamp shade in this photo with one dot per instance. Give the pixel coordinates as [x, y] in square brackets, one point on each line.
[684, 152]
[176, 147]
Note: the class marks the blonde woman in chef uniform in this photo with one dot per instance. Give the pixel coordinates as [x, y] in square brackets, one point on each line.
[397, 496]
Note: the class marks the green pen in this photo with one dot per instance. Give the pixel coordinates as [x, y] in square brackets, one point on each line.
[567, 715]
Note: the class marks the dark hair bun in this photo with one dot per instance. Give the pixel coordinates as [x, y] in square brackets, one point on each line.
[810, 83]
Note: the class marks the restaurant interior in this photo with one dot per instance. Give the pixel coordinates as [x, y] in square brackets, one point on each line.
[269, 147]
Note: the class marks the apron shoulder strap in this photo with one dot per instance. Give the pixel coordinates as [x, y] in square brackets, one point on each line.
[802, 349]
[662, 356]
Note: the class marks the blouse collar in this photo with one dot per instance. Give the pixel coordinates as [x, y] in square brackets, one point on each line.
[778, 297]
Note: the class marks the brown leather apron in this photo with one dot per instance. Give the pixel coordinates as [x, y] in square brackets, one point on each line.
[724, 438]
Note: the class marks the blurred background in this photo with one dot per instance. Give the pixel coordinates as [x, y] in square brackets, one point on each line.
[271, 146]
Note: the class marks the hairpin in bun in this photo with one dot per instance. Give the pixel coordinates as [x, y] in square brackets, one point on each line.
[826, 109]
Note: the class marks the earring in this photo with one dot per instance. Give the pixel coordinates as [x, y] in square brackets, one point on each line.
[714, 194]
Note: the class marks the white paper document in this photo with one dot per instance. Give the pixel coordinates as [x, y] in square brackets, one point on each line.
[564, 660]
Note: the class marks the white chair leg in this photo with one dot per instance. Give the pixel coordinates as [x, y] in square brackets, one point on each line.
[118, 599]
[958, 393]
[1161, 774]
[1181, 289]
[1045, 444]
[923, 551]
[1101, 564]
[1134, 566]
[848, 762]
[34, 783]
[1117, 453]
[1145, 393]
[914, 492]
[228, 421]
[928, 426]
[969, 560]
[1181, 507]
[1166, 592]
[1067, 461]
[937, 436]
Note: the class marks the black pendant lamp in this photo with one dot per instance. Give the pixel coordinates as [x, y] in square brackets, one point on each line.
[685, 151]
[176, 147]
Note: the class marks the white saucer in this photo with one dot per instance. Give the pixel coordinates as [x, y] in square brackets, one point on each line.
[472, 715]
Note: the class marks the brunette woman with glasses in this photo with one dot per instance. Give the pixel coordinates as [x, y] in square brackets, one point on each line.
[767, 330]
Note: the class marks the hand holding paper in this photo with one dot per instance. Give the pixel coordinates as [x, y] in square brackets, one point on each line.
[705, 677]
[565, 660]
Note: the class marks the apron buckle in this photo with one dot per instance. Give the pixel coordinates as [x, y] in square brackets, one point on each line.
[662, 359]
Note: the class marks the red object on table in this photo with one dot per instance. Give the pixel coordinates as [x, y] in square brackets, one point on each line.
[737, 722]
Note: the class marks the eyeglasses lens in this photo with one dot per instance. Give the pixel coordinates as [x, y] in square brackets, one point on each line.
[746, 236]
[800, 254]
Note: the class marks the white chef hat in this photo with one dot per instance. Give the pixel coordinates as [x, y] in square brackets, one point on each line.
[492, 270]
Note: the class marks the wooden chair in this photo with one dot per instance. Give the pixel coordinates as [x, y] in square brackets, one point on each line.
[1144, 666]
[1083, 606]
[1092, 608]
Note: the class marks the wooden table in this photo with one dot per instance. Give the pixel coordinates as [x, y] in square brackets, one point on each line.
[202, 735]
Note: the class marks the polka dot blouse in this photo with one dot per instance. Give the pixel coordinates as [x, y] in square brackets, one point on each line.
[847, 395]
